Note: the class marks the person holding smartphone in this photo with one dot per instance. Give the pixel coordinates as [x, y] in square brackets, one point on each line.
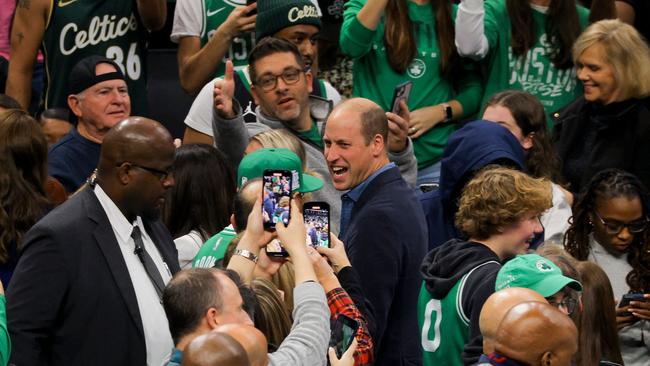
[610, 228]
[393, 41]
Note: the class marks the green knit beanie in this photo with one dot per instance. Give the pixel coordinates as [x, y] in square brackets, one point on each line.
[275, 15]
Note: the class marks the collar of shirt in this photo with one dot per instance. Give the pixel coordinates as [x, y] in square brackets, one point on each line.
[121, 226]
[355, 193]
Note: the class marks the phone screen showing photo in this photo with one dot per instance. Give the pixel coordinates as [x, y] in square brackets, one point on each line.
[317, 225]
[276, 199]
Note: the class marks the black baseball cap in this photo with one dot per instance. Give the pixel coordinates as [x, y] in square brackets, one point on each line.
[83, 74]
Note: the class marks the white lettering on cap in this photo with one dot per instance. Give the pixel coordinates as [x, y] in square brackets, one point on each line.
[308, 11]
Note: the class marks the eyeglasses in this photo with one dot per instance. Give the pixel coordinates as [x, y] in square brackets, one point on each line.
[268, 82]
[614, 228]
[161, 174]
[568, 303]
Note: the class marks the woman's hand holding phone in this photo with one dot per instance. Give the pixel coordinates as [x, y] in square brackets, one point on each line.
[336, 254]
[293, 240]
[623, 317]
[347, 359]
[324, 272]
[641, 309]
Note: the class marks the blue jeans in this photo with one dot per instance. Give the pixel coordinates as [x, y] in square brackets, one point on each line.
[430, 174]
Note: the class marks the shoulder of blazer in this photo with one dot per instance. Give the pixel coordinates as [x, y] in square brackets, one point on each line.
[386, 181]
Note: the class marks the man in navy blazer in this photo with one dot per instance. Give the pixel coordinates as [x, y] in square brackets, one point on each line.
[382, 226]
[84, 291]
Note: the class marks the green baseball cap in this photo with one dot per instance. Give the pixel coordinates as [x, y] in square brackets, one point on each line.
[254, 164]
[536, 273]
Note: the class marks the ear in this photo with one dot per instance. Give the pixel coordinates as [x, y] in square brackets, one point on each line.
[74, 104]
[528, 141]
[378, 145]
[309, 78]
[232, 221]
[211, 317]
[123, 174]
[254, 94]
[547, 359]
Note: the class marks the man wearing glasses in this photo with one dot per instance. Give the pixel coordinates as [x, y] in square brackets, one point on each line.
[281, 86]
[543, 276]
[88, 287]
[99, 98]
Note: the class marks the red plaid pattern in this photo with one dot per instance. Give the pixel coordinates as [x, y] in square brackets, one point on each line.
[340, 303]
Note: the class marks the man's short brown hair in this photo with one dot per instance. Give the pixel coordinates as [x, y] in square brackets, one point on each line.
[498, 197]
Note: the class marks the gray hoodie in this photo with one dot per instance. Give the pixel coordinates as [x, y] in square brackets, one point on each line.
[232, 137]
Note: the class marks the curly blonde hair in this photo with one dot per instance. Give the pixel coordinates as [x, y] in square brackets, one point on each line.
[498, 197]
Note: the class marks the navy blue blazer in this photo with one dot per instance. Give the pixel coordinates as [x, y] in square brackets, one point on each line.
[71, 300]
[386, 241]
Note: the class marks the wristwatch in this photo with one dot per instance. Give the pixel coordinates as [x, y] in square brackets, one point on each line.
[246, 254]
[449, 113]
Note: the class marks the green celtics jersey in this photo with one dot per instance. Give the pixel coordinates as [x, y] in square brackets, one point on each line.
[214, 249]
[533, 72]
[80, 28]
[444, 326]
[215, 12]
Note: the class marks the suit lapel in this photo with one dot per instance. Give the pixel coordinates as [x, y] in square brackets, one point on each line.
[164, 243]
[105, 239]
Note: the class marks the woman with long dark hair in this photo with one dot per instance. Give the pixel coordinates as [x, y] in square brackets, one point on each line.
[610, 228]
[23, 173]
[200, 203]
[597, 340]
[523, 115]
[395, 41]
[525, 45]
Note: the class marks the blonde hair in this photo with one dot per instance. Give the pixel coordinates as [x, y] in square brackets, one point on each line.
[498, 197]
[271, 315]
[282, 138]
[625, 50]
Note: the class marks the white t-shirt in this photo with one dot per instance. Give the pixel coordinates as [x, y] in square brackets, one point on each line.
[188, 245]
[189, 17]
[199, 117]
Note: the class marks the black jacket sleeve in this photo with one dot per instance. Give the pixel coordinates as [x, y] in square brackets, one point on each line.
[35, 297]
[349, 279]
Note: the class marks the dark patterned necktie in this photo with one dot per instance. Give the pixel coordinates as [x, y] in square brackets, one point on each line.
[147, 262]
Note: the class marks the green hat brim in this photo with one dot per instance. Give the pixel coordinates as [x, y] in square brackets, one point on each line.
[551, 285]
[309, 184]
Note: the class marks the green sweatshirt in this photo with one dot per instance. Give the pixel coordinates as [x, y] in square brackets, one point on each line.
[375, 79]
[5, 342]
[535, 73]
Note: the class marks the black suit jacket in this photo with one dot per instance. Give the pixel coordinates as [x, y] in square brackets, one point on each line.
[71, 300]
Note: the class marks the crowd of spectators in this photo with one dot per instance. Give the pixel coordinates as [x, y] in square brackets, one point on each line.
[359, 182]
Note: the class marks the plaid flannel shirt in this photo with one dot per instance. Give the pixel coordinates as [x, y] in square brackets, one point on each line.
[340, 303]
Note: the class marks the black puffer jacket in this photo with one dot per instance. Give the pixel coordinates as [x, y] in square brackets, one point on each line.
[590, 137]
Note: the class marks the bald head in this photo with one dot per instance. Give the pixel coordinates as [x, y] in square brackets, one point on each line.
[496, 307]
[537, 334]
[135, 159]
[135, 139]
[244, 201]
[214, 348]
[253, 341]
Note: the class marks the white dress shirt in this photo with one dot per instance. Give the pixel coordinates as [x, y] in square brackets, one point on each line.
[154, 321]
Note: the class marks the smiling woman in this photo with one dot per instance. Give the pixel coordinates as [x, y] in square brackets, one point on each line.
[609, 126]
[610, 228]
